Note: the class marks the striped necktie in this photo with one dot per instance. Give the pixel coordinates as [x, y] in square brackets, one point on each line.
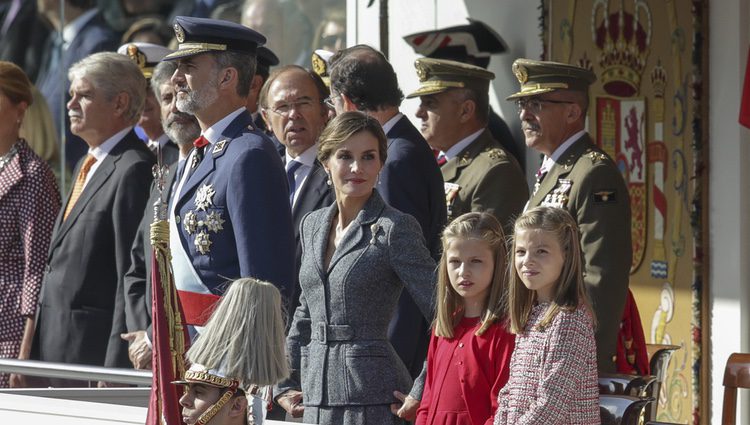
[88, 162]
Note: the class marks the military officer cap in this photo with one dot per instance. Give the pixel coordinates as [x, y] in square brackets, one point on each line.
[537, 77]
[321, 64]
[201, 35]
[266, 59]
[439, 75]
[145, 55]
[472, 43]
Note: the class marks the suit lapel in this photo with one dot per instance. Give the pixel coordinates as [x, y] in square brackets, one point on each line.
[213, 152]
[371, 211]
[101, 175]
[311, 192]
[561, 169]
[320, 239]
[451, 168]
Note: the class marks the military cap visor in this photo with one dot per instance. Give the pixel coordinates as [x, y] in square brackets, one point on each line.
[538, 77]
[439, 75]
[201, 35]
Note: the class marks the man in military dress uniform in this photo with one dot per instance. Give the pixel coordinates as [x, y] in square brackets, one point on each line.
[230, 216]
[580, 177]
[473, 44]
[479, 174]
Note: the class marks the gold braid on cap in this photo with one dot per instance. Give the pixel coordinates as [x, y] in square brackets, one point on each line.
[214, 409]
[208, 378]
[204, 46]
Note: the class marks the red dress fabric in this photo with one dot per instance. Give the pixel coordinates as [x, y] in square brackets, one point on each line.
[465, 374]
[29, 202]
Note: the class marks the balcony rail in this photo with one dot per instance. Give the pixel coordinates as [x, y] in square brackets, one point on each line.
[76, 372]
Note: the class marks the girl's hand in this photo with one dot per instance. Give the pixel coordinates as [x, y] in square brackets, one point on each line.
[291, 401]
[407, 409]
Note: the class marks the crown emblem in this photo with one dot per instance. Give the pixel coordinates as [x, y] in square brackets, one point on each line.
[319, 65]
[520, 72]
[136, 55]
[623, 38]
[179, 33]
[422, 72]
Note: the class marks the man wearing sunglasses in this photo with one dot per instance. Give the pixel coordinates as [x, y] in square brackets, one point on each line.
[578, 176]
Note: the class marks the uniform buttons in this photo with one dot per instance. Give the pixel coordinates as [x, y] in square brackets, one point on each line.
[177, 219]
[460, 345]
[460, 363]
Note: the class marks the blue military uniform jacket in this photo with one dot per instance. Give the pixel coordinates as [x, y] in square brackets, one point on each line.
[232, 213]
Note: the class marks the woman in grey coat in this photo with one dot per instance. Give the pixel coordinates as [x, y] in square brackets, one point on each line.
[357, 256]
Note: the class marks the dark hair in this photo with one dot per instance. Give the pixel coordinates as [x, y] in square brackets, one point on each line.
[317, 81]
[366, 77]
[346, 125]
[245, 65]
[482, 101]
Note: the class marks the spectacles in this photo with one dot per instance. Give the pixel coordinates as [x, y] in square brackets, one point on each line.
[534, 105]
[284, 109]
[329, 101]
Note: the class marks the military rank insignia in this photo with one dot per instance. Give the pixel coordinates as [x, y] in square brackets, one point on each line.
[201, 221]
[451, 191]
[559, 196]
[605, 197]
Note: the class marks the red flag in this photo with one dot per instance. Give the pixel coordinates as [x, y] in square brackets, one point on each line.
[745, 100]
[170, 340]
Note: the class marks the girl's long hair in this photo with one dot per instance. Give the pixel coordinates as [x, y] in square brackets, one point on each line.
[485, 227]
[570, 292]
[244, 337]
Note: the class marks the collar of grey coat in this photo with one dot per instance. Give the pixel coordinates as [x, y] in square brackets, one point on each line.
[359, 229]
[451, 168]
[562, 168]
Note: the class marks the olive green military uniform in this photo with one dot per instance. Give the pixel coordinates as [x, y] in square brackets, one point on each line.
[484, 177]
[586, 182]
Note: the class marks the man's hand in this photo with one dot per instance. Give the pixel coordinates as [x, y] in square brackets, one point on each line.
[291, 401]
[407, 409]
[138, 350]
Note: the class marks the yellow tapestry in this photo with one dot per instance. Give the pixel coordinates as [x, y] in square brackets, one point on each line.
[646, 112]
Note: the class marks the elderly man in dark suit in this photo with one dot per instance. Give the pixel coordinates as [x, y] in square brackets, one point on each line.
[230, 216]
[292, 105]
[91, 240]
[134, 324]
[362, 79]
[84, 32]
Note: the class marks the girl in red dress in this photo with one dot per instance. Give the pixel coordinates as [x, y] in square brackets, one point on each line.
[553, 376]
[470, 349]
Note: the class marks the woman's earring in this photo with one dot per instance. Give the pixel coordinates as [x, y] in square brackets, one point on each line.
[328, 181]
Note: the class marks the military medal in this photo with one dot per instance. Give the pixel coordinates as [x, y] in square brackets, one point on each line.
[558, 198]
[214, 222]
[202, 242]
[204, 197]
[451, 191]
[190, 222]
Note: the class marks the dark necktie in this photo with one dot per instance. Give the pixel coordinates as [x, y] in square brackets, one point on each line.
[200, 150]
[292, 167]
[540, 173]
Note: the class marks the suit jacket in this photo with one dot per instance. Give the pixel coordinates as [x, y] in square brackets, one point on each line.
[135, 312]
[484, 178]
[411, 182]
[95, 36]
[337, 344]
[23, 43]
[88, 256]
[588, 184]
[314, 194]
[170, 153]
[500, 132]
[241, 183]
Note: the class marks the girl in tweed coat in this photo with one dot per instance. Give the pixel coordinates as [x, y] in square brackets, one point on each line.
[553, 375]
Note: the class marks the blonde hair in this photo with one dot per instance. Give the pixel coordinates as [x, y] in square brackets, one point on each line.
[244, 337]
[38, 129]
[570, 292]
[484, 227]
